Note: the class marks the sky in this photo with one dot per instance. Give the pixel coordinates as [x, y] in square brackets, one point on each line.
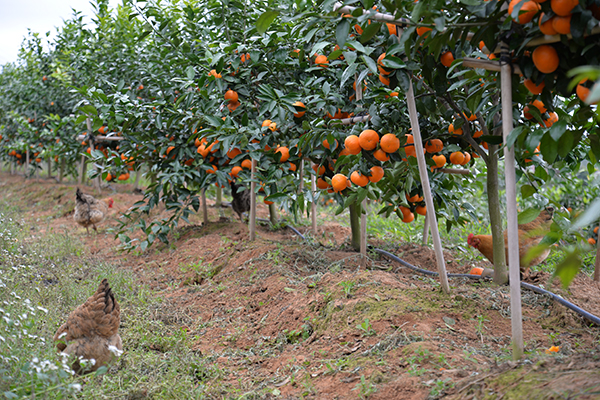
[38, 15]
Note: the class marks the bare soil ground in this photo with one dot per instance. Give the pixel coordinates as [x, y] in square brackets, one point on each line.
[309, 319]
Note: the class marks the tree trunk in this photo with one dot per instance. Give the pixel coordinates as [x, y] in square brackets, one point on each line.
[493, 188]
[355, 211]
[273, 214]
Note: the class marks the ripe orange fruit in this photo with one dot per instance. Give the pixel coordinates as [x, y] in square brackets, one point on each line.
[368, 139]
[421, 210]
[383, 79]
[471, 117]
[545, 58]
[233, 153]
[326, 144]
[213, 72]
[446, 59]
[457, 131]
[232, 106]
[359, 179]
[563, 7]
[212, 170]
[232, 96]
[268, 202]
[381, 155]
[389, 143]
[376, 174]
[380, 66]
[527, 11]
[562, 25]
[582, 91]
[467, 158]
[596, 230]
[538, 104]
[285, 153]
[109, 177]
[339, 182]
[247, 164]
[141, 87]
[422, 30]
[476, 271]
[235, 171]
[391, 28]
[434, 146]
[532, 87]
[102, 129]
[44, 78]
[546, 27]
[293, 167]
[478, 134]
[321, 61]
[299, 114]
[553, 117]
[123, 177]
[407, 215]
[322, 184]
[457, 158]
[319, 169]
[414, 199]
[591, 241]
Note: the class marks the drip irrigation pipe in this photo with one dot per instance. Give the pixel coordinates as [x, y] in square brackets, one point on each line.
[589, 316]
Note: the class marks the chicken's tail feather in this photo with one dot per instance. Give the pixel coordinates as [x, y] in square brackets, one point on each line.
[79, 196]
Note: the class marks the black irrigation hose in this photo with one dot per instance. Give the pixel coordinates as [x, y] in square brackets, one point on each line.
[533, 288]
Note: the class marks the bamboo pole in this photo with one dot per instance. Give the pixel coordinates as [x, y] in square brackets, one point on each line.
[252, 220]
[82, 170]
[354, 120]
[27, 163]
[489, 65]
[511, 209]
[136, 183]
[454, 171]
[219, 199]
[273, 214]
[49, 168]
[61, 170]
[363, 231]
[103, 138]
[313, 206]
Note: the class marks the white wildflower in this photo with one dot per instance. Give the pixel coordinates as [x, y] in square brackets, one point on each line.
[115, 351]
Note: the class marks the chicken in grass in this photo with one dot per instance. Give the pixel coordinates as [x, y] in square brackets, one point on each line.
[530, 235]
[89, 211]
[241, 199]
[92, 330]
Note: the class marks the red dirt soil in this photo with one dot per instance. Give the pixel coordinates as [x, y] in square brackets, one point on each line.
[310, 319]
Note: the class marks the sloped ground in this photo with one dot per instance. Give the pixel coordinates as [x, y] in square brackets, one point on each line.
[285, 318]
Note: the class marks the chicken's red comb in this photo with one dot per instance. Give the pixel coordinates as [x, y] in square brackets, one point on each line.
[470, 238]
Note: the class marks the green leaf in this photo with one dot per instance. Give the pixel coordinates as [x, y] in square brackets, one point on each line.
[528, 215]
[565, 144]
[341, 31]
[418, 10]
[558, 129]
[549, 148]
[348, 72]
[393, 62]
[594, 96]
[527, 191]
[568, 268]
[265, 20]
[512, 137]
[589, 216]
[370, 31]
[370, 63]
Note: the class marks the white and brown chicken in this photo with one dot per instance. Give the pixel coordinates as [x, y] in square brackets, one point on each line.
[90, 211]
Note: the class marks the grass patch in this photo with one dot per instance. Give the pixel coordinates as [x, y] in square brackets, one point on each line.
[42, 280]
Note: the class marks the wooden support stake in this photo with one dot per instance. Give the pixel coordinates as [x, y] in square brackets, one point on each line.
[49, 168]
[204, 207]
[363, 232]
[252, 218]
[61, 170]
[489, 65]
[511, 210]
[455, 171]
[273, 214]
[597, 264]
[97, 178]
[313, 206]
[82, 170]
[426, 230]
[435, 234]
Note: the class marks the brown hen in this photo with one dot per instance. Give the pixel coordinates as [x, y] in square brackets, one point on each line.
[530, 235]
[92, 330]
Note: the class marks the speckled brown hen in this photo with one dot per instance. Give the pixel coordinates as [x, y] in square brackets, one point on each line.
[92, 330]
[90, 211]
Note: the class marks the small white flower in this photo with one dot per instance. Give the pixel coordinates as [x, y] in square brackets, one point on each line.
[62, 335]
[43, 309]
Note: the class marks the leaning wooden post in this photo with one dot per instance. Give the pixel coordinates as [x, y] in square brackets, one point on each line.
[363, 208]
[313, 206]
[301, 186]
[61, 170]
[511, 207]
[97, 179]
[82, 170]
[597, 264]
[252, 218]
[219, 197]
[49, 168]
